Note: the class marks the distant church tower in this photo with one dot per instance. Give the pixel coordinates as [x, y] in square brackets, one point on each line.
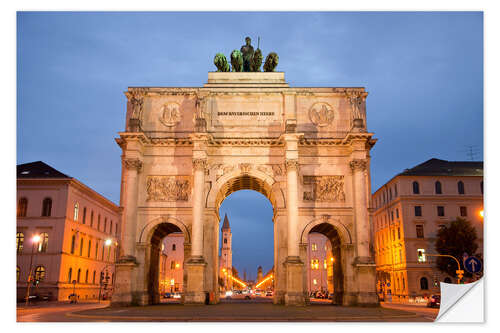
[259, 274]
[226, 259]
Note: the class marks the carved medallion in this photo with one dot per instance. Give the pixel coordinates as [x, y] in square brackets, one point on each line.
[325, 188]
[168, 188]
[321, 114]
[171, 114]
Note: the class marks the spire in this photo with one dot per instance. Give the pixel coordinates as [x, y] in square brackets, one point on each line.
[225, 225]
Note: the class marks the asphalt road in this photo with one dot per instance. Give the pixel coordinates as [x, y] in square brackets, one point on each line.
[429, 313]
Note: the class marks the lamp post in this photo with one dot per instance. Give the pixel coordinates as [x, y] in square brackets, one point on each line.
[102, 277]
[36, 241]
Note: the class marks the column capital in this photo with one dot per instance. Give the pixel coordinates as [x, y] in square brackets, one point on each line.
[358, 165]
[132, 164]
[199, 164]
[292, 164]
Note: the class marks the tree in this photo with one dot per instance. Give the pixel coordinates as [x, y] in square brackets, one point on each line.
[456, 239]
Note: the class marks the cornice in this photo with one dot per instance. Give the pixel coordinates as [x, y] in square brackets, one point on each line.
[245, 142]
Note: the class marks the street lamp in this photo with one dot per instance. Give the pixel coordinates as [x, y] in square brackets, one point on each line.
[481, 213]
[36, 241]
[108, 242]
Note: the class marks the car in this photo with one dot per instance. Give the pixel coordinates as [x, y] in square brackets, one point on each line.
[269, 293]
[176, 295]
[167, 295]
[434, 301]
[258, 292]
[229, 294]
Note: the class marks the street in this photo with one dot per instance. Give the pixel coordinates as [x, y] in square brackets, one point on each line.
[429, 313]
[54, 311]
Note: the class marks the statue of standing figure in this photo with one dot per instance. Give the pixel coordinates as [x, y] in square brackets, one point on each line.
[247, 51]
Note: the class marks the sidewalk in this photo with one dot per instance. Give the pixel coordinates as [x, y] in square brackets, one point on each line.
[247, 312]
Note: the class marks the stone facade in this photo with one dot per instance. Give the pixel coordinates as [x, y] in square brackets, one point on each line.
[319, 264]
[406, 219]
[171, 264]
[186, 149]
[74, 228]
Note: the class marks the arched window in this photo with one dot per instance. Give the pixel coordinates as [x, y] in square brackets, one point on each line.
[46, 207]
[78, 275]
[93, 278]
[73, 240]
[81, 247]
[18, 273]
[461, 188]
[39, 273]
[437, 185]
[70, 272]
[416, 188]
[447, 280]
[88, 249]
[19, 242]
[44, 242]
[22, 207]
[75, 212]
[173, 247]
[482, 187]
[87, 276]
[424, 284]
[84, 217]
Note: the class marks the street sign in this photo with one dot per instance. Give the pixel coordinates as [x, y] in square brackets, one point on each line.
[473, 265]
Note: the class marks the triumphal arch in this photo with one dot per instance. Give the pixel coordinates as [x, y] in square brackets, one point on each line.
[186, 149]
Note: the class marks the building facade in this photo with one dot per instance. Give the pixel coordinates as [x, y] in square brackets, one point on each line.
[408, 212]
[184, 150]
[72, 223]
[172, 263]
[320, 264]
[226, 256]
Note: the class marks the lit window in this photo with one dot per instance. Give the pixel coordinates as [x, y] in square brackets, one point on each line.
[463, 211]
[22, 207]
[421, 255]
[46, 207]
[312, 263]
[162, 247]
[39, 273]
[177, 265]
[314, 247]
[75, 212]
[324, 263]
[44, 242]
[19, 242]
[315, 282]
[316, 263]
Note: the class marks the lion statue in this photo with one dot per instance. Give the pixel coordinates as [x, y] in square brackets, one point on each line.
[257, 60]
[236, 61]
[220, 62]
[271, 62]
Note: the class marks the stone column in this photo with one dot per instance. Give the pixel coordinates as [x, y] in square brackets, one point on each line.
[358, 167]
[132, 167]
[195, 266]
[292, 207]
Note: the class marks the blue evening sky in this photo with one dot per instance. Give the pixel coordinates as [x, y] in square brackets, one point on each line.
[423, 72]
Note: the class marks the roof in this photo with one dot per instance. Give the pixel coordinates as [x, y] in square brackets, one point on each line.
[437, 167]
[225, 225]
[38, 170]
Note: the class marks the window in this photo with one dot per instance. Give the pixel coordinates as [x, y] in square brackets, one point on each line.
[461, 188]
[424, 284]
[421, 255]
[324, 264]
[116, 229]
[438, 188]
[78, 275]
[482, 187]
[44, 242]
[418, 210]
[91, 218]
[99, 222]
[315, 264]
[89, 247]
[75, 212]
[18, 273]
[69, 274]
[441, 226]
[420, 230]
[22, 207]
[73, 240]
[87, 276]
[105, 224]
[399, 233]
[96, 248]
[109, 253]
[172, 264]
[46, 207]
[392, 215]
[395, 190]
[463, 211]
[102, 254]
[225, 240]
[39, 273]
[110, 227]
[19, 242]
[173, 247]
[404, 286]
[93, 278]
[440, 210]
[390, 194]
[416, 188]
[314, 247]
[397, 213]
[81, 247]
[84, 217]
[315, 282]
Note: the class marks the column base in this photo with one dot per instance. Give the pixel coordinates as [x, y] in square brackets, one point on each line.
[195, 286]
[294, 294]
[367, 282]
[123, 294]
